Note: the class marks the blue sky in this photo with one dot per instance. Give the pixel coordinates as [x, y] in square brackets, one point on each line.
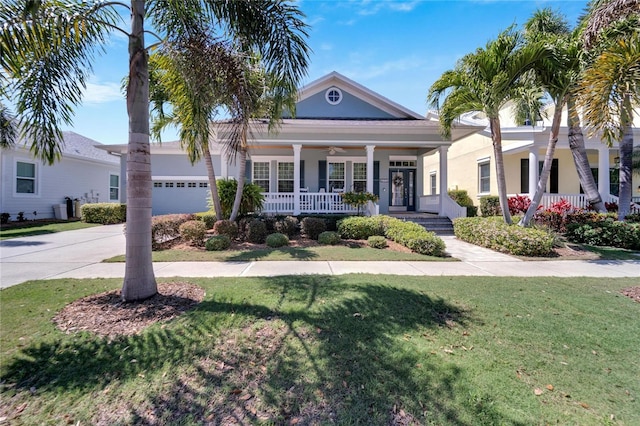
[396, 48]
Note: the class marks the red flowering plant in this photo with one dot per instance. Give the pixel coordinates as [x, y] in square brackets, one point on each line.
[519, 204]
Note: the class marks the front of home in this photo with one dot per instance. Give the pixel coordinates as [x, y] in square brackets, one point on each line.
[35, 189]
[343, 138]
[472, 162]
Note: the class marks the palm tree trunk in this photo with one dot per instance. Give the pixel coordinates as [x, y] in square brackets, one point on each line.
[581, 161]
[139, 280]
[626, 160]
[546, 168]
[241, 172]
[496, 136]
[212, 181]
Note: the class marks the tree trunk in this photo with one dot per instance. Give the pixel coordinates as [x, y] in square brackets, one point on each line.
[581, 161]
[241, 172]
[546, 168]
[217, 206]
[496, 136]
[626, 160]
[139, 280]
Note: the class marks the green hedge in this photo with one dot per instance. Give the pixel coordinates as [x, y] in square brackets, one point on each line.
[490, 206]
[606, 233]
[104, 213]
[277, 240]
[360, 227]
[493, 233]
[329, 238]
[209, 218]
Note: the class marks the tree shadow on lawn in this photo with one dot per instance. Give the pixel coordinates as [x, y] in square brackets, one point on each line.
[329, 350]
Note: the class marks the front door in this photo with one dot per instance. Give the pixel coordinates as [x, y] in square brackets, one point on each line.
[402, 183]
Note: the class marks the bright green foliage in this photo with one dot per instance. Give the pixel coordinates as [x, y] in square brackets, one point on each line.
[377, 241]
[360, 228]
[288, 225]
[193, 232]
[606, 233]
[490, 205]
[252, 197]
[277, 240]
[329, 238]
[414, 236]
[461, 196]
[312, 227]
[104, 213]
[217, 243]
[209, 218]
[226, 227]
[495, 234]
[256, 231]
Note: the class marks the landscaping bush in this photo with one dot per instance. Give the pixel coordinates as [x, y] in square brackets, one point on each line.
[4, 218]
[330, 220]
[490, 206]
[193, 232]
[166, 227]
[252, 197]
[104, 213]
[519, 204]
[493, 233]
[461, 196]
[218, 243]
[287, 225]
[312, 227]
[606, 233]
[412, 236]
[360, 228]
[209, 218]
[376, 241]
[277, 240]
[256, 231]
[226, 227]
[358, 199]
[633, 218]
[329, 238]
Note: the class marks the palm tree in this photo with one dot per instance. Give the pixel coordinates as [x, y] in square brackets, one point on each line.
[558, 76]
[485, 81]
[47, 48]
[611, 85]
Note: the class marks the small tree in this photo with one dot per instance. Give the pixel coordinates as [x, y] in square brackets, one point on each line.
[358, 199]
[252, 197]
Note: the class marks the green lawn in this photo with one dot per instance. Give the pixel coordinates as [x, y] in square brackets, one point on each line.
[28, 229]
[355, 349]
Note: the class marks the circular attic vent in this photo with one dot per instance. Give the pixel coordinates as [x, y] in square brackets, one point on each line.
[333, 96]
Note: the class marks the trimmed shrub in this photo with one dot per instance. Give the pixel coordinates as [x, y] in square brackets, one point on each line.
[412, 236]
[329, 238]
[287, 226]
[256, 231]
[252, 197]
[104, 213]
[519, 204]
[218, 243]
[226, 227]
[493, 233]
[606, 233]
[277, 240]
[377, 241]
[360, 228]
[312, 227]
[490, 206]
[166, 228]
[330, 220]
[193, 232]
[461, 196]
[209, 218]
[633, 218]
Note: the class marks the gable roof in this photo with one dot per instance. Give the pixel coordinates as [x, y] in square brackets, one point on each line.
[335, 79]
[79, 147]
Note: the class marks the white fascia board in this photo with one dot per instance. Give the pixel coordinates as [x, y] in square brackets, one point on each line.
[181, 178]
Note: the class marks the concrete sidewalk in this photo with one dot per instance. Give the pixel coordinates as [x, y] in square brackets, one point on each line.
[78, 254]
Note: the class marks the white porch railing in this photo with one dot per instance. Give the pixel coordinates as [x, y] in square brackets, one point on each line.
[450, 209]
[310, 202]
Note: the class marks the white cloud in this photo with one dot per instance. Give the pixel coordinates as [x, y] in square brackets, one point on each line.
[99, 93]
[326, 46]
[386, 68]
[368, 7]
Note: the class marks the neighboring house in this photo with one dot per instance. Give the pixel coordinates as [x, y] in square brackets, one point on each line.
[344, 137]
[472, 163]
[84, 173]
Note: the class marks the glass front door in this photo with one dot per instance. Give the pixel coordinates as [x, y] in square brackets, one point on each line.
[402, 184]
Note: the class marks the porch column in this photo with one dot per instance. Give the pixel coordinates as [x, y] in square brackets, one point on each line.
[370, 149]
[224, 164]
[296, 179]
[533, 170]
[444, 182]
[603, 172]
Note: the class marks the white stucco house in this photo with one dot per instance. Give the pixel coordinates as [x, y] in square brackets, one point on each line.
[344, 137]
[84, 172]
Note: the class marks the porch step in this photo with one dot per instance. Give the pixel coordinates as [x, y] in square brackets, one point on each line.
[438, 224]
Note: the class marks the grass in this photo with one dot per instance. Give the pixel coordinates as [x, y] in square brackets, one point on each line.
[326, 253]
[355, 349]
[28, 229]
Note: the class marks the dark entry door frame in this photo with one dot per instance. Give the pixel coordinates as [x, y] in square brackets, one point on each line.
[402, 183]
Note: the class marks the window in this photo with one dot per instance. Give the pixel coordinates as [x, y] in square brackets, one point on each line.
[285, 177]
[191, 184]
[168, 184]
[333, 96]
[114, 187]
[336, 176]
[261, 174]
[433, 183]
[25, 178]
[359, 177]
[403, 163]
[204, 184]
[484, 173]
[180, 185]
[157, 184]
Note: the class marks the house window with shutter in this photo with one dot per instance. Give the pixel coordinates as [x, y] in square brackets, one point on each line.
[359, 177]
[336, 176]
